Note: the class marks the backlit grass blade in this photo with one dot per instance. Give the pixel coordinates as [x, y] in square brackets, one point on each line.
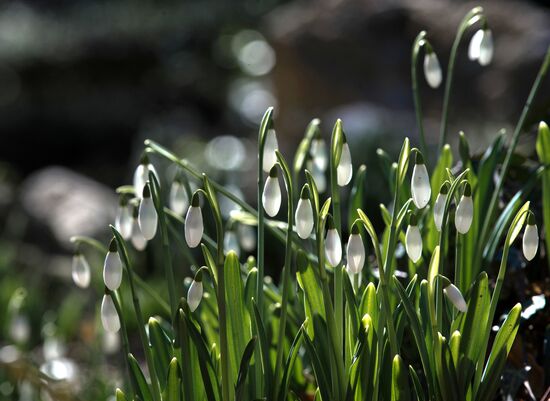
[243, 369]
[543, 152]
[400, 390]
[173, 387]
[137, 377]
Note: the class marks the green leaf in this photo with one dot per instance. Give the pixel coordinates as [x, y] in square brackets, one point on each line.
[419, 391]
[304, 146]
[265, 361]
[497, 358]
[120, 396]
[543, 152]
[319, 368]
[161, 346]
[403, 161]
[238, 320]
[137, 377]
[210, 263]
[292, 354]
[439, 176]
[313, 191]
[337, 142]
[243, 368]
[400, 390]
[172, 392]
[310, 285]
[357, 194]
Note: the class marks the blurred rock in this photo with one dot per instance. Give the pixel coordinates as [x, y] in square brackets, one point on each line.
[68, 204]
[339, 52]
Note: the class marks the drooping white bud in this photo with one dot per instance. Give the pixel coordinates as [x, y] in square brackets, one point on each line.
[109, 316]
[123, 221]
[355, 251]
[178, 198]
[333, 245]
[81, 270]
[432, 69]
[439, 206]
[138, 240]
[413, 240]
[271, 197]
[530, 239]
[420, 183]
[112, 268]
[344, 171]
[147, 217]
[304, 215]
[270, 146]
[230, 242]
[194, 295]
[486, 48]
[456, 298]
[194, 226]
[247, 237]
[465, 211]
[141, 175]
[319, 153]
[474, 46]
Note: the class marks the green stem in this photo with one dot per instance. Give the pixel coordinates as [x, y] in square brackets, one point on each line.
[487, 224]
[139, 316]
[467, 21]
[418, 43]
[286, 270]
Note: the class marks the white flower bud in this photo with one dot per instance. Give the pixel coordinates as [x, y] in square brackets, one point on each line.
[194, 226]
[178, 198]
[194, 295]
[530, 239]
[333, 246]
[304, 215]
[112, 268]
[319, 153]
[413, 241]
[81, 271]
[355, 251]
[247, 237]
[271, 197]
[456, 298]
[109, 316]
[474, 46]
[141, 175]
[432, 69]
[486, 48]
[465, 211]
[230, 243]
[123, 221]
[344, 171]
[270, 146]
[439, 207]
[147, 217]
[420, 183]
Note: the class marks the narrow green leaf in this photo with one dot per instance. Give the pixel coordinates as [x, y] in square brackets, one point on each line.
[243, 369]
[120, 396]
[304, 146]
[419, 391]
[543, 152]
[162, 349]
[357, 194]
[137, 377]
[172, 392]
[400, 390]
[292, 354]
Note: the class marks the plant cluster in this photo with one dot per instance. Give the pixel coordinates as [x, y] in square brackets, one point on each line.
[342, 324]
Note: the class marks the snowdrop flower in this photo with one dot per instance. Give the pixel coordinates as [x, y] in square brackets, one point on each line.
[333, 247]
[112, 268]
[194, 295]
[420, 184]
[355, 251]
[530, 238]
[413, 239]
[194, 226]
[230, 242]
[123, 221]
[439, 206]
[109, 316]
[318, 152]
[178, 197]
[481, 47]
[456, 298]
[138, 240]
[141, 175]
[80, 270]
[304, 214]
[465, 211]
[271, 197]
[432, 69]
[344, 170]
[147, 217]
[247, 237]
[270, 146]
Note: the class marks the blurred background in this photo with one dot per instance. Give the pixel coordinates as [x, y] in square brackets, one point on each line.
[83, 83]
